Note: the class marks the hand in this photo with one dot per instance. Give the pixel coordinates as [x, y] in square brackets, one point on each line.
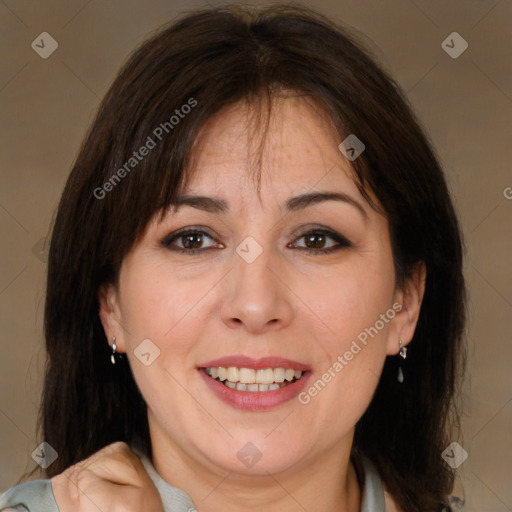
[111, 480]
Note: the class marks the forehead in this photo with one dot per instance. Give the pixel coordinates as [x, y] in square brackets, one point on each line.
[291, 146]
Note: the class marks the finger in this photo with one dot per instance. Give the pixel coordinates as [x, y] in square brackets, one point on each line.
[116, 463]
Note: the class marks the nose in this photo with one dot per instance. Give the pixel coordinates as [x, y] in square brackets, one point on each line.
[257, 298]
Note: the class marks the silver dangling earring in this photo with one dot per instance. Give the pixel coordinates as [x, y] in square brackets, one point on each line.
[403, 355]
[114, 348]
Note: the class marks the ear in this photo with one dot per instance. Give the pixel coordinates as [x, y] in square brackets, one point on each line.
[110, 316]
[410, 297]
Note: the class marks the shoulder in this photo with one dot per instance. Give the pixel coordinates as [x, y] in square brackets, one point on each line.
[35, 496]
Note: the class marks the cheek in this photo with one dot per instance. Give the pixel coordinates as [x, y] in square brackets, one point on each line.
[155, 303]
[349, 362]
[351, 302]
[170, 311]
[351, 347]
[154, 308]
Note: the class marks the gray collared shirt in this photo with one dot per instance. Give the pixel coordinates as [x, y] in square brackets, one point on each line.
[37, 496]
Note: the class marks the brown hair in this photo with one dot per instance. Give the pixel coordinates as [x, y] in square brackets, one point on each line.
[217, 57]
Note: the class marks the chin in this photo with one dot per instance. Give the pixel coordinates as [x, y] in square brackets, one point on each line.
[255, 458]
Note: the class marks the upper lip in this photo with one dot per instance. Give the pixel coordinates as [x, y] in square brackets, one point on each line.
[240, 361]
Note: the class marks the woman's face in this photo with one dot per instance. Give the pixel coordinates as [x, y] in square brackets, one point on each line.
[256, 296]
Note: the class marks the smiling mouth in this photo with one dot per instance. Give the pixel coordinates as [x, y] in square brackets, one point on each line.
[248, 379]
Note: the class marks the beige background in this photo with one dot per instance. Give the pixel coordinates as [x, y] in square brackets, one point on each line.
[465, 105]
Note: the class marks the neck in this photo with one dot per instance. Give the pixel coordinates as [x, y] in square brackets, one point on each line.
[327, 483]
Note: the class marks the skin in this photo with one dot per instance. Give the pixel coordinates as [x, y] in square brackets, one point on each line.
[287, 303]
[110, 480]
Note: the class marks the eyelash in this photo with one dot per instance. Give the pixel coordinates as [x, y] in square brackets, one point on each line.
[342, 241]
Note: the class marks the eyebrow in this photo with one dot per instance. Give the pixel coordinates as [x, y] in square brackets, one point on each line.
[293, 204]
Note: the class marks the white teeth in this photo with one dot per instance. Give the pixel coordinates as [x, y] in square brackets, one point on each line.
[265, 376]
[247, 375]
[248, 379]
[233, 374]
[239, 386]
[279, 375]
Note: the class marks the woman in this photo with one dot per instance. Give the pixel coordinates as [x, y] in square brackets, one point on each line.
[255, 296]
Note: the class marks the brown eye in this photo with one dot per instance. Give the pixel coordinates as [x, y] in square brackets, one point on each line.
[316, 240]
[191, 241]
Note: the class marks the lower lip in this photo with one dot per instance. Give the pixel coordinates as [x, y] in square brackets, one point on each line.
[255, 400]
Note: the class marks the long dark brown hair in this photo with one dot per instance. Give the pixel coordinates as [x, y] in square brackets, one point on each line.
[217, 57]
